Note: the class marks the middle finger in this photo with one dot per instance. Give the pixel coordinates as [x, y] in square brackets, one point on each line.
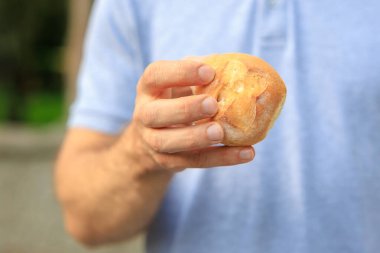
[172, 140]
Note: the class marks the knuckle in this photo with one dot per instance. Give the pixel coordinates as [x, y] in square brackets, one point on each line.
[148, 115]
[199, 159]
[150, 69]
[153, 140]
[146, 136]
[139, 113]
[151, 74]
[185, 111]
[168, 162]
[156, 142]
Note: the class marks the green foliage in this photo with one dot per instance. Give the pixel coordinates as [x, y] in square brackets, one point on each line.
[40, 108]
[4, 102]
[44, 108]
[32, 38]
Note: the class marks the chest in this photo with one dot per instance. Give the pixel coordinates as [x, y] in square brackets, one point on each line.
[179, 27]
[326, 46]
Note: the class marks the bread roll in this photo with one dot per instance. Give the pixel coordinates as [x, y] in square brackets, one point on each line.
[250, 95]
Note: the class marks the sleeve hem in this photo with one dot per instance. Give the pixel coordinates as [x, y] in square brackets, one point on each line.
[97, 121]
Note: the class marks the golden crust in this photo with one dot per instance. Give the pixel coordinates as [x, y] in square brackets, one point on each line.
[250, 95]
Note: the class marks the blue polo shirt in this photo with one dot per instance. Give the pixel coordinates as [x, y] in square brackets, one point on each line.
[314, 185]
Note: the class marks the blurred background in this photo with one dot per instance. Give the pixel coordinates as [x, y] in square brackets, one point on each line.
[40, 52]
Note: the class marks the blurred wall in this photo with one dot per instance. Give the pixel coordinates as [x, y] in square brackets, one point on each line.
[79, 11]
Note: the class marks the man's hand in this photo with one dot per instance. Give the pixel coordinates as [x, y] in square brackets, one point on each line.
[165, 123]
[110, 187]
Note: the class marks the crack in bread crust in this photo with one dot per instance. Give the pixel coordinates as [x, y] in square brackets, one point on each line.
[249, 93]
[240, 87]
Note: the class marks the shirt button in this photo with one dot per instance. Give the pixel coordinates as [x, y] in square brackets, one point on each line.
[272, 3]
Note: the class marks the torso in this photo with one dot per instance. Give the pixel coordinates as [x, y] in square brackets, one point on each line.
[314, 184]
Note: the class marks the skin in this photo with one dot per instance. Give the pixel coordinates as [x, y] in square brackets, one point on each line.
[110, 187]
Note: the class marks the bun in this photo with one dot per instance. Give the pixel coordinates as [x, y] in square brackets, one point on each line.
[250, 95]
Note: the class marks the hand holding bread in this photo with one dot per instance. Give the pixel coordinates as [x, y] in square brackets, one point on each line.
[163, 129]
[234, 100]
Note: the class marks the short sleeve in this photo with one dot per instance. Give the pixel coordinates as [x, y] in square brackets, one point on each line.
[111, 65]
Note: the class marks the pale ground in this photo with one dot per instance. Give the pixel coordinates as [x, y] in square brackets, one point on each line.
[30, 219]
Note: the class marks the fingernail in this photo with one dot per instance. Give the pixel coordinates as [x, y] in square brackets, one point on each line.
[246, 154]
[215, 132]
[209, 106]
[206, 73]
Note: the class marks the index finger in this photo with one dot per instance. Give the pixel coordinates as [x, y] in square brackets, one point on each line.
[161, 75]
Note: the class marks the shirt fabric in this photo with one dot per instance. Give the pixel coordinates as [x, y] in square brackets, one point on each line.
[314, 185]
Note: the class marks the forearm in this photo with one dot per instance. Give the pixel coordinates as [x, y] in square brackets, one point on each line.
[109, 187]
[110, 192]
